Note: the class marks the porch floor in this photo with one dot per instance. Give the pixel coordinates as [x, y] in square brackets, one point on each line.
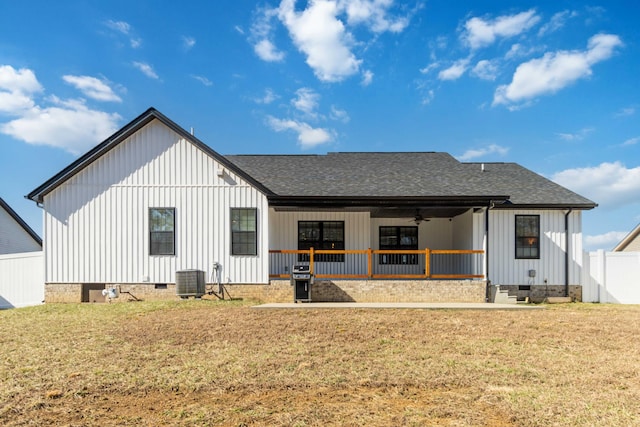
[402, 305]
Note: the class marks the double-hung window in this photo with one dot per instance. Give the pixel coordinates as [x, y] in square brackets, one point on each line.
[527, 236]
[398, 238]
[319, 235]
[162, 231]
[244, 231]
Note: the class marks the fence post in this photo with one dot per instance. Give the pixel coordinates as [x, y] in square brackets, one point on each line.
[369, 263]
[311, 256]
[427, 263]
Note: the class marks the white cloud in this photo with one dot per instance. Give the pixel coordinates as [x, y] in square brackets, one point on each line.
[608, 184]
[268, 98]
[322, 37]
[367, 78]
[631, 141]
[481, 32]
[482, 152]
[428, 68]
[306, 101]
[486, 70]
[555, 70]
[239, 29]
[69, 125]
[625, 112]
[16, 89]
[92, 87]
[202, 79]
[308, 137]
[320, 30]
[556, 22]
[260, 37]
[339, 115]
[267, 51]
[428, 97]
[119, 26]
[578, 136]
[373, 13]
[125, 29]
[146, 69]
[455, 71]
[605, 241]
[188, 42]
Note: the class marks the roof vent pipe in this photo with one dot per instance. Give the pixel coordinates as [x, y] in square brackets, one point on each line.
[482, 167]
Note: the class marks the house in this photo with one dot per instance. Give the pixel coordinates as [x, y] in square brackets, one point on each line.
[630, 243]
[21, 261]
[153, 200]
[15, 235]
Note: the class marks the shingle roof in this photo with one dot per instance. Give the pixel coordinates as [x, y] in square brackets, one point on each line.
[420, 175]
[391, 176]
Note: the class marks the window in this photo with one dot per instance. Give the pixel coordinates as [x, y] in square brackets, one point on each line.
[244, 231]
[162, 231]
[325, 235]
[398, 238]
[527, 236]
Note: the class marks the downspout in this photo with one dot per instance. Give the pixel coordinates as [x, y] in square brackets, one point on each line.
[566, 252]
[486, 254]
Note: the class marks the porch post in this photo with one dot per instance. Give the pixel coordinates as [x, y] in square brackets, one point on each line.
[369, 263]
[427, 263]
[311, 261]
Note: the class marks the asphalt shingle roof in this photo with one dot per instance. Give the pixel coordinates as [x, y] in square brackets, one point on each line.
[421, 174]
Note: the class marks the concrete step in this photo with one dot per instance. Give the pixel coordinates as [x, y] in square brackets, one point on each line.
[503, 297]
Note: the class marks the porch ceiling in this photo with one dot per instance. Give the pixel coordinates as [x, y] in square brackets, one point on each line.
[388, 212]
[425, 211]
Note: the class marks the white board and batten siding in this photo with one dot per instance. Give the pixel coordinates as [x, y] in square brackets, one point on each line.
[505, 269]
[362, 231]
[283, 228]
[97, 223]
[14, 238]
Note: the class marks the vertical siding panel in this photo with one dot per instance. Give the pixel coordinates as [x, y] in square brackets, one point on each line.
[505, 269]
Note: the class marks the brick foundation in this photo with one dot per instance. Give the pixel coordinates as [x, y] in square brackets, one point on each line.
[282, 291]
[398, 291]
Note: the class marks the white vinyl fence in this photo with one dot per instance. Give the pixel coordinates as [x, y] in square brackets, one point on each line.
[611, 277]
[21, 279]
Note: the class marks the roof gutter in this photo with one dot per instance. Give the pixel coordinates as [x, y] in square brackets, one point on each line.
[572, 206]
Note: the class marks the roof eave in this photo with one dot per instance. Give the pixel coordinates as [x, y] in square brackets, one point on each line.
[627, 239]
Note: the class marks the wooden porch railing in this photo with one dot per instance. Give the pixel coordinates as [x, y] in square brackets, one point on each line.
[379, 264]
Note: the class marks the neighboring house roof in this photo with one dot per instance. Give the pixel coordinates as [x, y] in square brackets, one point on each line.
[630, 241]
[362, 179]
[129, 129]
[425, 175]
[4, 205]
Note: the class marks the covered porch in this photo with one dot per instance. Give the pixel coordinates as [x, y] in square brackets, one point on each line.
[418, 242]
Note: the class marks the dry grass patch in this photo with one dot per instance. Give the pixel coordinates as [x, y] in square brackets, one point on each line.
[220, 363]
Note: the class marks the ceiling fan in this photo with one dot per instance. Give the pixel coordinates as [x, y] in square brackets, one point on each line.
[418, 218]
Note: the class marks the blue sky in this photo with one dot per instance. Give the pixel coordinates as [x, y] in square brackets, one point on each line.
[550, 85]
